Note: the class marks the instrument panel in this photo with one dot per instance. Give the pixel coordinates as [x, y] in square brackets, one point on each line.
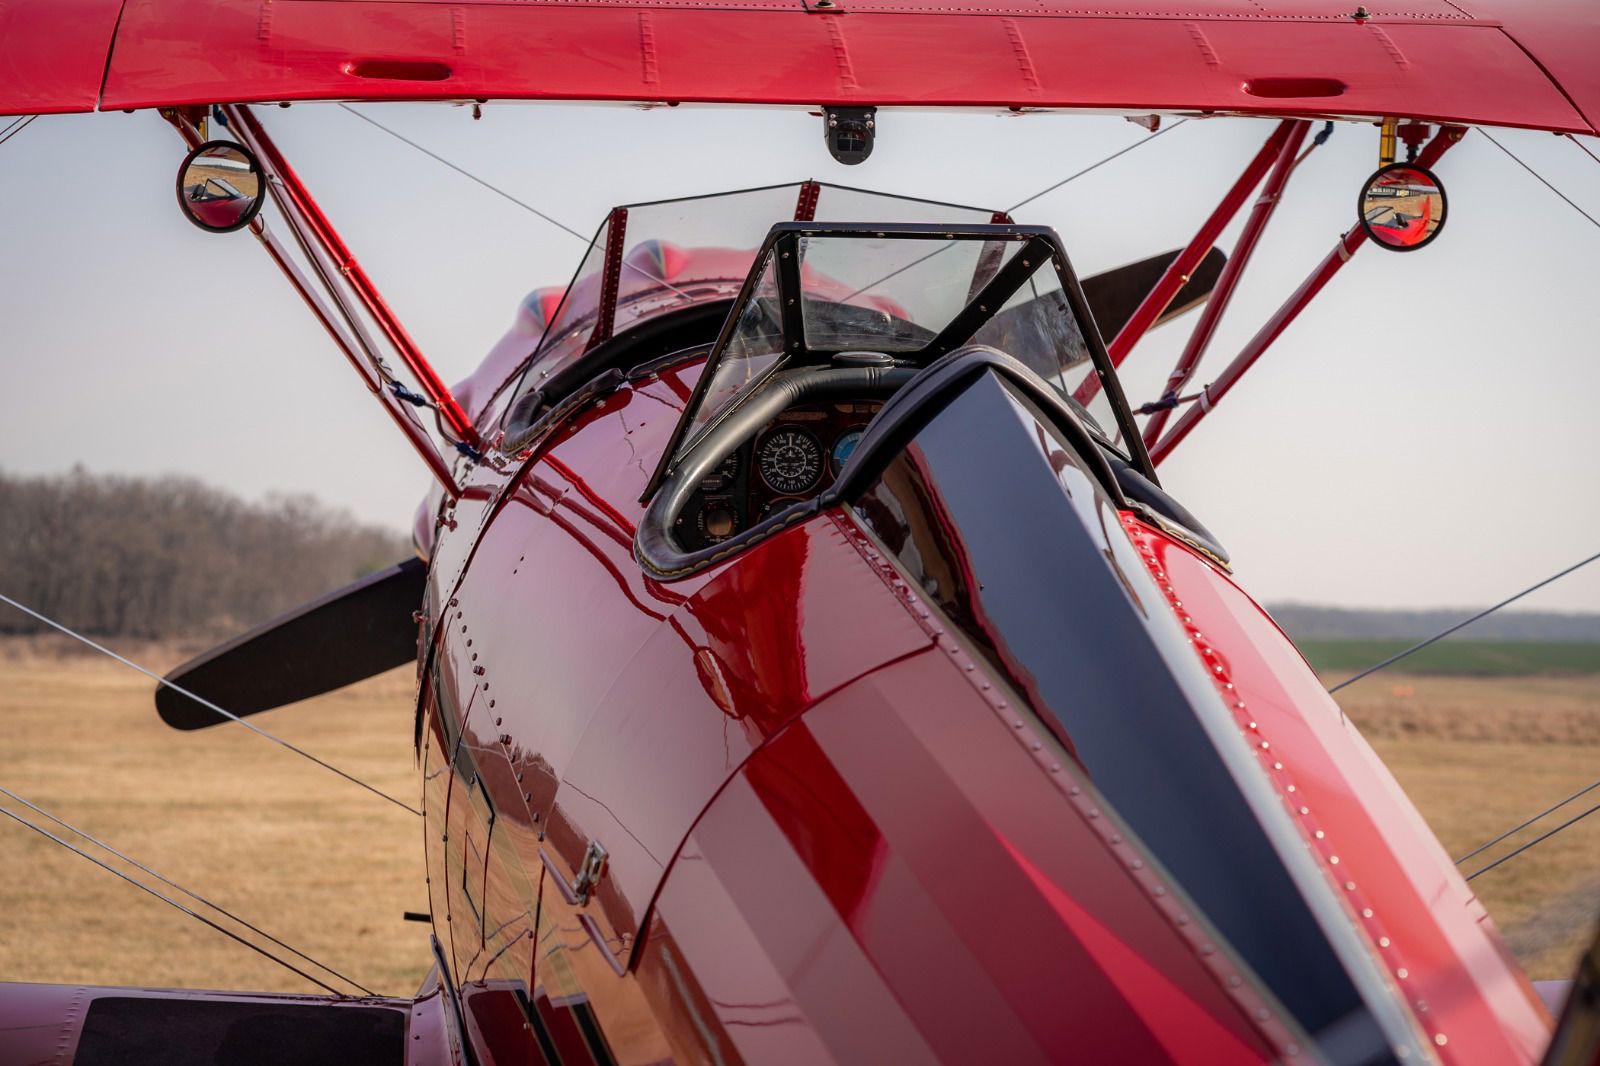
[792, 459]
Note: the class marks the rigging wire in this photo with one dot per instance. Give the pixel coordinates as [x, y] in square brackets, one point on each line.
[1391, 660]
[1592, 220]
[102, 649]
[1095, 166]
[14, 816]
[501, 192]
[173, 884]
[1582, 149]
[1042, 192]
[15, 128]
[436, 157]
[1519, 828]
[1538, 839]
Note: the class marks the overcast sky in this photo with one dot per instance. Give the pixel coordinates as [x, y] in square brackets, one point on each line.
[1424, 435]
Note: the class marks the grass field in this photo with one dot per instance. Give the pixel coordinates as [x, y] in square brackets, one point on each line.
[330, 868]
[1459, 658]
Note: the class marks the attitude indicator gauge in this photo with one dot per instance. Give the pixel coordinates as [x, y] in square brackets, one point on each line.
[790, 460]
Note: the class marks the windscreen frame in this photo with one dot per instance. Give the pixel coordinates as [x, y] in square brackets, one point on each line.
[783, 243]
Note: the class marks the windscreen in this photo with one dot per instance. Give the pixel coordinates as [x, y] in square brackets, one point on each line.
[681, 253]
[889, 294]
[897, 293]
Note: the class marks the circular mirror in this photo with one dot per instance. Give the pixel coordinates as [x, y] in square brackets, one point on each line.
[1402, 207]
[220, 186]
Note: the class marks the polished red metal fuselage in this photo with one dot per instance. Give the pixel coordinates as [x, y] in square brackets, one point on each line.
[826, 834]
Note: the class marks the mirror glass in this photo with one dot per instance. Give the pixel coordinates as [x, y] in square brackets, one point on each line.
[220, 186]
[1402, 207]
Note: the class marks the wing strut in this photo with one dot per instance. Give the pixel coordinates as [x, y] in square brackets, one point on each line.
[1297, 301]
[295, 200]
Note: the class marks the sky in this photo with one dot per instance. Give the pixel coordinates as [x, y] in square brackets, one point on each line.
[1424, 435]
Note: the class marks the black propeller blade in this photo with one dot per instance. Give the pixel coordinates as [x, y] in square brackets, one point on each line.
[346, 636]
[1116, 294]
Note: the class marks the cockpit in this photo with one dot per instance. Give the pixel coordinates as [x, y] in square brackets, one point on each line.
[815, 345]
[833, 320]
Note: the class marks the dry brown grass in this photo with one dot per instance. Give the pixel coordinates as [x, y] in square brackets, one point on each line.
[1479, 755]
[329, 868]
[315, 861]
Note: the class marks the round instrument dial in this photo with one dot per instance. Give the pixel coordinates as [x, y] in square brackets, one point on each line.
[790, 460]
[844, 446]
[717, 521]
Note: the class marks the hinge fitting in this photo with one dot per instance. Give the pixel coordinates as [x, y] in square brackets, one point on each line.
[589, 873]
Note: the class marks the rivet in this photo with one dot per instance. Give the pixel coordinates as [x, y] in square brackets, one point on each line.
[1261, 1014]
[1305, 810]
[1292, 1050]
[1074, 790]
[1055, 768]
[1319, 834]
[497, 721]
[1253, 726]
[1036, 745]
[1206, 949]
[1440, 1039]
[1017, 724]
[1265, 745]
[1277, 766]
[1094, 812]
[1366, 912]
[1116, 838]
[1183, 919]
[1349, 886]
[1233, 980]
[1402, 973]
[1160, 891]
[1288, 788]
[1137, 864]
[1333, 860]
[1383, 941]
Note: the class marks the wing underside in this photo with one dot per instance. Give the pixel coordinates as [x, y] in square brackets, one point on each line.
[1481, 62]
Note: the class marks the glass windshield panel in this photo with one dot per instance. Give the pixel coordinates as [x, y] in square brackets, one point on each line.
[888, 294]
[682, 252]
[754, 347]
[676, 253]
[1036, 326]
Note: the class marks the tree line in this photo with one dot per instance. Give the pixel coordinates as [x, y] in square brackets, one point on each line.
[171, 556]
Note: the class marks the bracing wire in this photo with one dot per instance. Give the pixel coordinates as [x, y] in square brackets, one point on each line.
[1042, 192]
[436, 157]
[501, 192]
[102, 649]
[1096, 166]
[1538, 839]
[14, 816]
[1592, 220]
[1582, 149]
[1519, 828]
[16, 127]
[173, 884]
[1391, 660]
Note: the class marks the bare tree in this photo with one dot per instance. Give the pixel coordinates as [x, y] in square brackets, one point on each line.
[166, 557]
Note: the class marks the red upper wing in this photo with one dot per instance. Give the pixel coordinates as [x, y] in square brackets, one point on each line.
[1425, 59]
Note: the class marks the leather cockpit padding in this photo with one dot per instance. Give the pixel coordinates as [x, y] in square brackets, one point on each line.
[160, 1031]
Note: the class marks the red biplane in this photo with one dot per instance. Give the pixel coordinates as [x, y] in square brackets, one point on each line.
[811, 665]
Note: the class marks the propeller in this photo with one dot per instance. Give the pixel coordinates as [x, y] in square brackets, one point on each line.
[346, 636]
[1116, 294]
